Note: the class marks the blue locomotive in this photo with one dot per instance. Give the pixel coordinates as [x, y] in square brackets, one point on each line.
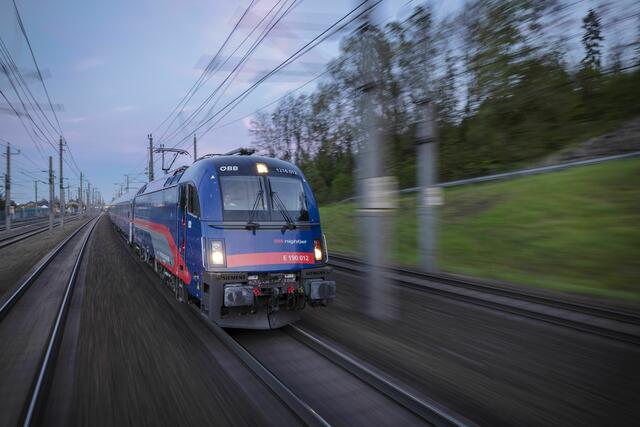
[237, 235]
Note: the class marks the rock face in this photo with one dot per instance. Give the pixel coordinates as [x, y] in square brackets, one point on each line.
[623, 140]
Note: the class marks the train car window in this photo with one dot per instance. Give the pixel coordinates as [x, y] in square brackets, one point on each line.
[183, 197]
[291, 195]
[169, 196]
[193, 204]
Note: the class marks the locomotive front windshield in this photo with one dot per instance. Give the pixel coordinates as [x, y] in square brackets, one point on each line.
[261, 198]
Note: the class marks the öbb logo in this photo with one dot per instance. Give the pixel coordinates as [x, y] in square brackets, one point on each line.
[228, 168]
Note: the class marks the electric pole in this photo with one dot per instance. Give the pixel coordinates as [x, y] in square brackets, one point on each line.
[127, 183]
[88, 198]
[195, 148]
[7, 192]
[430, 196]
[7, 189]
[377, 190]
[35, 182]
[51, 193]
[62, 207]
[80, 211]
[150, 157]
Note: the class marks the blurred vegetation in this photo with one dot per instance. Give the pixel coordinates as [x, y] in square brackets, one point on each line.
[574, 231]
[500, 75]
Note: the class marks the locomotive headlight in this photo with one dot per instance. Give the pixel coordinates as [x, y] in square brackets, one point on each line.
[317, 250]
[216, 252]
[262, 168]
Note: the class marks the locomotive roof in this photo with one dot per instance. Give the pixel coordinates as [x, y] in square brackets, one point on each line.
[245, 160]
[194, 171]
[125, 198]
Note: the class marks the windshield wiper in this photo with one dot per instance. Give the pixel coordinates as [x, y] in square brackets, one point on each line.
[283, 210]
[250, 224]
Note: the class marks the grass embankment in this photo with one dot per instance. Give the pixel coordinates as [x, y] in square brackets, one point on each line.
[575, 231]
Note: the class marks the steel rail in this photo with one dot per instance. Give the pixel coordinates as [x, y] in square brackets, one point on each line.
[429, 282]
[10, 240]
[24, 223]
[44, 262]
[32, 223]
[431, 412]
[48, 359]
[299, 407]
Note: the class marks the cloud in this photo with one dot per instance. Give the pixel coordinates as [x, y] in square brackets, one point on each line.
[88, 63]
[124, 108]
[76, 119]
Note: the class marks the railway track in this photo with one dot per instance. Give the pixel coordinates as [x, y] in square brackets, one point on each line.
[24, 223]
[431, 412]
[27, 231]
[323, 385]
[336, 372]
[32, 321]
[616, 324]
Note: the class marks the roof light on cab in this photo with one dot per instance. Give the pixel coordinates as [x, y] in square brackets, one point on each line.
[262, 168]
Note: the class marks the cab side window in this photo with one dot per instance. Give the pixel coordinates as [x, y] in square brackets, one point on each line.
[193, 204]
[182, 197]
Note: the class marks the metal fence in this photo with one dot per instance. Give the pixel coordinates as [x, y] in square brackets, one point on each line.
[25, 213]
[519, 173]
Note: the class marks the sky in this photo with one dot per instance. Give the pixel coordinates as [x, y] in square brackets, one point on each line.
[119, 67]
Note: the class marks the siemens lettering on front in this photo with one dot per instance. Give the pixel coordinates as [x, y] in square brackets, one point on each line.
[239, 236]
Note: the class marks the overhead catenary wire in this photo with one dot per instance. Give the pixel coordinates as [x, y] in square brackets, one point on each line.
[35, 62]
[304, 49]
[17, 81]
[192, 115]
[328, 32]
[206, 71]
[326, 71]
[240, 64]
[24, 125]
[12, 71]
[14, 80]
[308, 46]
[73, 166]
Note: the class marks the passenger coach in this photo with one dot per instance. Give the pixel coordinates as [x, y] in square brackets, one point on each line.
[238, 235]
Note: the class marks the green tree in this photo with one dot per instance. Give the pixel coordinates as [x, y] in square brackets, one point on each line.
[592, 40]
